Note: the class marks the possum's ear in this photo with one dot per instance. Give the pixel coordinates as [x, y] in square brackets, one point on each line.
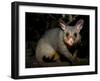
[62, 24]
[79, 25]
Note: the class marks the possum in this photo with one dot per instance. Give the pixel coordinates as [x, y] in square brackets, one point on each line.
[58, 41]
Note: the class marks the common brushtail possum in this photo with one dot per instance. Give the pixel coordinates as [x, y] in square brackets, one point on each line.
[57, 41]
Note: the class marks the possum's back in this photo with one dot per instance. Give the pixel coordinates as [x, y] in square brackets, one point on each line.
[52, 36]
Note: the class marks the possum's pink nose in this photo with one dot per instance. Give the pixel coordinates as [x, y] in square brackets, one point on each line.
[71, 41]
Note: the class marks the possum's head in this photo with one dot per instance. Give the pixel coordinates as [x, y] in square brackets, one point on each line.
[71, 33]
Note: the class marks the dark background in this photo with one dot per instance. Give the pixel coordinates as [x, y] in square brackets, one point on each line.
[37, 23]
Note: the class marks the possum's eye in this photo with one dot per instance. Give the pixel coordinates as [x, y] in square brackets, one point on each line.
[75, 34]
[67, 34]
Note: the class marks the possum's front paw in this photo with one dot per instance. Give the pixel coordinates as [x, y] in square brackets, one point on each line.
[76, 61]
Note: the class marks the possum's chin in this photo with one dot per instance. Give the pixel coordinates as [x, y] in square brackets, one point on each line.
[69, 43]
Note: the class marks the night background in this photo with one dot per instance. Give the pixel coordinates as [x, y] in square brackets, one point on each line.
[37, 23]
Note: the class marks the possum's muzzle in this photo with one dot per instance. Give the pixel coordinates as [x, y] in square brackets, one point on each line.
[69, 41]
